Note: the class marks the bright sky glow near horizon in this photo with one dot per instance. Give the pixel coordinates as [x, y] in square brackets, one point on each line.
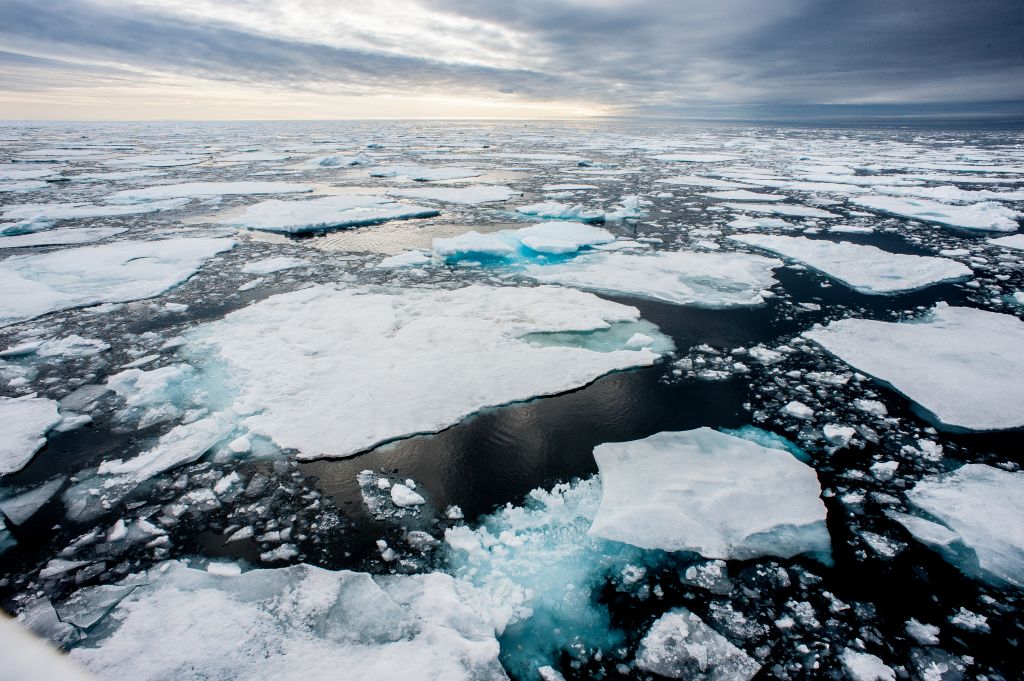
[322, 59]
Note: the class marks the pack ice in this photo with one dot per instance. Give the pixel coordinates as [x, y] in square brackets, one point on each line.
[711, 280]
[715, 494]
[987, 215]
[396, 362]
[292, 623]
[329, 212]
[34, 285]
[26, 421]
[863, 268]
[961, 366]
[974, 518]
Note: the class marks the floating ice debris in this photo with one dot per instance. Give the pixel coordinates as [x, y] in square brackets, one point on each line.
[548, 238]
[383, 360]
[192, 190]
[1015, 241]
[425, 173]
[271, 265]
[60, 237]
[974, 519]
[743, 195]
[952, 194]
[924, 634]
[630, 207]
[301, 619]
[697, 181]
[26, 421]
[34, 285]
[182, 444]
[988, 216]
[679, 645]
[407, 259]
[22, 505]
[759, 223]
[156, 161]
[33, 217]
[338, 160]
[865, 667]
[562, 237]
[472, 245]
[404, 497]
[711, 280]
[960, 365]
[798, 410]
[693, 158]
[863, 268]
[464, 195]
[551, 210]
[329, 212]
[715, 494]
[782, 209]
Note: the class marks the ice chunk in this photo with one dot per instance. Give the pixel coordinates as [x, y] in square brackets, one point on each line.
[1015, 241]
[472, 195]
[960, 365]
[290, 624]
[25, 423]
[693, 157]
[988, 215]
[34, 285]
[473, 245]
[979, 521]
[393, 363]
[798, 410]
[562, 237]
[32, 217]
[60, 237]
[20, 507]
[182, 444]
[425, 173]
[743, 195]
[403, 496]
[552, 210]
[782, 209]
[712, 280]
[697, 181]
[865, 667]
[328, 212]
[704, 491]
[193, 190]
[407, 259]
[680, 646]
[863, 268]
[271, 265]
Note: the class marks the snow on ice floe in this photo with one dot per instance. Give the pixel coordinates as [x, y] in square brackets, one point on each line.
[711, 493]
[1014, 241]
[552, 210]
[962, 366]
[31, 217]
[974, 518]
[383, 359]
[183, 623]
[425, 173]
[463, 195]
[987, 216]
[329, 212]
[526, 244]
[952, 194]
[711, 280]
[787, 209]
[866, 269]
[743, 195]
[60, 237]
[271, 265]
[26, 421]
[156, 161]
[680, 646]
[698, 181]
[407, 259]
[694, 157]
[34, 285]
[193, 190]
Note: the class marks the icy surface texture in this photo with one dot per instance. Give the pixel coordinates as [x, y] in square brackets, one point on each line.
[472, 195]
[526, 245]
[987, 216]
[191, 190]
[129, 270]
[329, 212]
[680, 646]
[961, 365]
[715, 494]
[26, 421]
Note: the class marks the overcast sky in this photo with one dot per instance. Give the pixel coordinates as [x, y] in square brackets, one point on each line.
[233, 59]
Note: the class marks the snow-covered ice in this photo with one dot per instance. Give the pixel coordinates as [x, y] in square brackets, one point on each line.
[786, 209]
[552, 210]
[679, 645]
[961, 365]
[987, 215]
[271, 265]
[425, 173]
[472, 195]
[26, 421]
[329, 212]
[60, 237]
[715, 494]
[863, 268]
[34, 285]
[32, 217]
[193, 190]
[1014, 241]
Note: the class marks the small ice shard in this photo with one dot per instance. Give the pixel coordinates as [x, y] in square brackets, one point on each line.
[962, 366]
[60, 237]
[715, 494]
[403, 496]
[396, 362]
[301, 619]
[34, 285]
[863, 268]
[551, 210]
[978, 524]
[711, 280]
[798, 410]
[987, 216]
[407, 259]
[679, 645]
[924, 634]
[26, 421]
[838, 435]
[472, 195]
[194, 190]
[271, 265]
[328, 212]
[865, 667]
[425, 173]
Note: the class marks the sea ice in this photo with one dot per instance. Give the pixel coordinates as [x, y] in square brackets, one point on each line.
[25, 423]
[329, 212]
[271, 265]
[960, 365]
[383, 360]
[715, 494]
[711, 280]
[407, 259]
[193, 190]
[782, 209]
[697, 181]
[743, 195]
[425, 173]
[866, 269]
[21, 506]
[679, 645]
[60, 237]
[34, 285]
[1014, 241]
[693, 157]
[551, 210]
[33, 217]
[865, 667]
[974, 519]
[988, 215]
[463, 195]
[562, 237]
[473, 245]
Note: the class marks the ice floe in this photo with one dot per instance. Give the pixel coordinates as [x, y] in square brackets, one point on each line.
[551, 210]
[1014, 241]
[715, 494]
[26, 421]
[329, 212]
[987, 215]
[425, 173]
[693, 158]
[34, 285]
[787, 209]
[31, 217]
[961, 365]
[463, 195]
[60, 237]
[193, 190]
[863, 268]
[271, 265]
